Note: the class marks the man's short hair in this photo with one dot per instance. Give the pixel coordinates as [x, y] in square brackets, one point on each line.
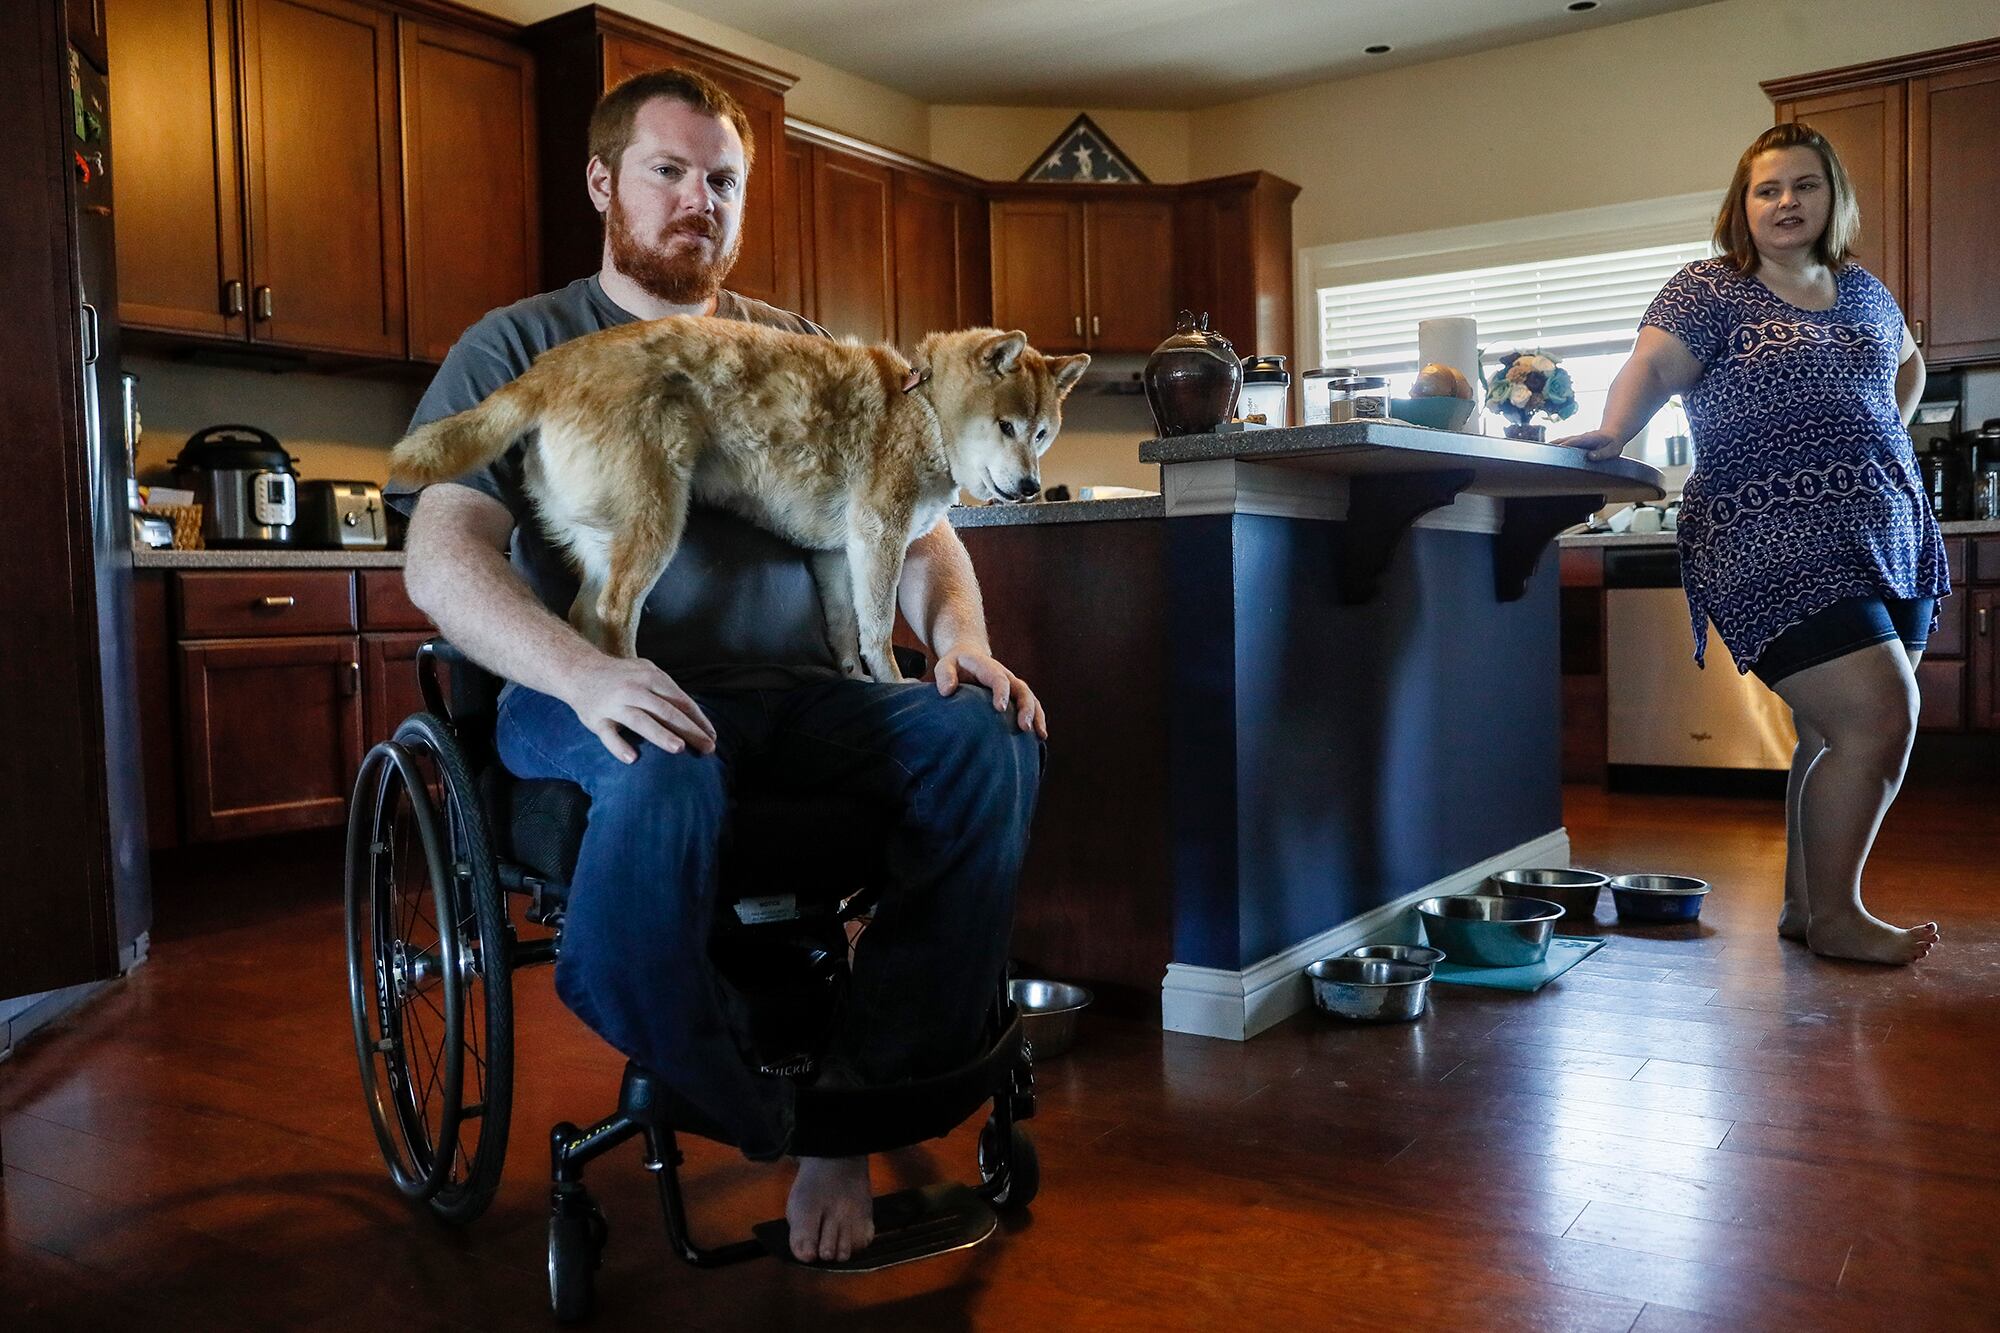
[611, 122]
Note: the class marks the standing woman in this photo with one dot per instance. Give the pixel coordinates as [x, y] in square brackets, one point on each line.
[1804, 533]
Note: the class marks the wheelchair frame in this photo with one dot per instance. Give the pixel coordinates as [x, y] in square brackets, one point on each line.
[418, 807]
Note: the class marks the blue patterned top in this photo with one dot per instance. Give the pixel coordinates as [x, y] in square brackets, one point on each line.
[1805, 487]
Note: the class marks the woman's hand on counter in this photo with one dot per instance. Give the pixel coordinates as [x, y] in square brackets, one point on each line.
[1597, 445]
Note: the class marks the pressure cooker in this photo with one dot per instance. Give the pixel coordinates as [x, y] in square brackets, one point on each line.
[244, 482]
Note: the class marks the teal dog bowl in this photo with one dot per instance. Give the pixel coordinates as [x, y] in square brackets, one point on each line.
[1437, 413]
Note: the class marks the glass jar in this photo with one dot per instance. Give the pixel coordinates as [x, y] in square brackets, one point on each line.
[1352, 396]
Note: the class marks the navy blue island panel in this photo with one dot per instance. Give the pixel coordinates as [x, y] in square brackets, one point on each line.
[1325, 758]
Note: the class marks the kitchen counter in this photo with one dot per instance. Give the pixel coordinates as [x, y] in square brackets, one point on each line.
[148, 558]
[1059, 511]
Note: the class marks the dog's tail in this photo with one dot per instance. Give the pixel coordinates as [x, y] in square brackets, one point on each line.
[451, 447]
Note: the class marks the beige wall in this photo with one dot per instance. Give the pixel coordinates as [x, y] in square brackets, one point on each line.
[1657, 106]
[1000, 142]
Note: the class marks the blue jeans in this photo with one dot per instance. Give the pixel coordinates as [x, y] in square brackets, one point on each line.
[960, 781]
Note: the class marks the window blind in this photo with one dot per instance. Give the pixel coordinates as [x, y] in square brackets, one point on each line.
[1577, 305]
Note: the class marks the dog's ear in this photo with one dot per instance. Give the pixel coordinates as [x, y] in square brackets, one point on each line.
[1002, 351]
[1068, 370]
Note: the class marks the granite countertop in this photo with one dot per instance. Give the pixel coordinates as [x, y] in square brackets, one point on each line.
[1057, 511]
[146, 558]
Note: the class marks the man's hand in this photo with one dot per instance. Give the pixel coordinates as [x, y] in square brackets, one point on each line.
[1007, 688]
[1597, 445]
[633, 693]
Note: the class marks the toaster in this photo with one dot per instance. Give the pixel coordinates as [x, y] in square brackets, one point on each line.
[342, 516]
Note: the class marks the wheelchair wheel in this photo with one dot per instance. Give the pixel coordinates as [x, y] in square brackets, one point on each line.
[428, 984]
[576, 1248]
[1016, 1153]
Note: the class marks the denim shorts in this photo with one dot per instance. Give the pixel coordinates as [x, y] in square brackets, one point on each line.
[1848, 625]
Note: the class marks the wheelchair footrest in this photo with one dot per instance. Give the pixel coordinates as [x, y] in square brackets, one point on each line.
[909, 1224]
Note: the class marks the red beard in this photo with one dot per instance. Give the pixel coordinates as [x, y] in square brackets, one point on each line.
[674, 276]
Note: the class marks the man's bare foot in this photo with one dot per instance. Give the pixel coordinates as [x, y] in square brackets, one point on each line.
[1861, 937]
[1793, 919]
[831, 1210]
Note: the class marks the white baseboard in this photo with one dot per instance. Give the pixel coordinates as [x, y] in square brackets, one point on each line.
[1215, 1002]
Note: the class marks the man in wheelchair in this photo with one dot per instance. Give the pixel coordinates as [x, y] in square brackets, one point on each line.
[734, 683]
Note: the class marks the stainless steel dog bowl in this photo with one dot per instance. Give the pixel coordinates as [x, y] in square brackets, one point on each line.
[1421, 954]
[1575, 891]
[1486, 930]
[1048, 1013]
[1655, 899]
[1370, 990]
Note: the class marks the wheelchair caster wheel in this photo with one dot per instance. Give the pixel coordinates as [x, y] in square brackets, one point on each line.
[576, 1248]
[1017, 1156]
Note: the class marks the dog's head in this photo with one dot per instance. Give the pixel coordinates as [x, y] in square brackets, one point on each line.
[1000, 404]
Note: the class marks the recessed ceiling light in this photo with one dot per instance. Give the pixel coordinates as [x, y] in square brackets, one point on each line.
[1581, 6]
[1379, 49]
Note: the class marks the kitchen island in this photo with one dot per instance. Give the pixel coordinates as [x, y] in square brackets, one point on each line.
[1320, 684]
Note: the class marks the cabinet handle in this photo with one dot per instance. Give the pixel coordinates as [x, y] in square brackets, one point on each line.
[1917, 332]
[1984, 616]
[352, 680]
[1079, 326]
[1094, 330]
[278, 602]
[264, 304]
[232, 297]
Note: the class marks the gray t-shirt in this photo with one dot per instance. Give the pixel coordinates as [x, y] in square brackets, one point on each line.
[737, 607]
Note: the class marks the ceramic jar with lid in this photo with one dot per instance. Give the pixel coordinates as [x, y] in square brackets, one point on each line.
[1192, 379]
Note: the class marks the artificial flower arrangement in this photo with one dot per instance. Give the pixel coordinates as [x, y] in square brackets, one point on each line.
[1527, 384]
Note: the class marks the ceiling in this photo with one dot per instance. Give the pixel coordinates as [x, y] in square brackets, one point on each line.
[1167, 54]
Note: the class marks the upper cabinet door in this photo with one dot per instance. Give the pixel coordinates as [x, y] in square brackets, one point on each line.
[760, 268]
[1865, 127]
[173, 144]
[1954, 194]
[1129, 246]
[934, 290]
[471, 213]
[1038, 271]
[326, 228]
[854, 279]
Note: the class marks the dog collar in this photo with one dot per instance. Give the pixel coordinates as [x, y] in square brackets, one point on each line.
[916, 377]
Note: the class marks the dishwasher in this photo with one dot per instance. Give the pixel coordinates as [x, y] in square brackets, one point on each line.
[1662, 711]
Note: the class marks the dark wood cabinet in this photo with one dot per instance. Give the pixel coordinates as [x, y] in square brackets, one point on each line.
[271, 733]
[471, 218]
[1085, 275]
[584, 53]
[1916, 135]
[1107, 271]
[174, 139]
[323, 182]
[1038, 271]
[941, 265]
[1983, 664]
[1865, 127]
[389, 686]
[1954, 197]
[854, 246]
[1128, 249]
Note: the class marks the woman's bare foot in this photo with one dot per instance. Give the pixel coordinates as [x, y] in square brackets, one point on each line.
[831, 1209]
[1863, 938]
[1794, 920]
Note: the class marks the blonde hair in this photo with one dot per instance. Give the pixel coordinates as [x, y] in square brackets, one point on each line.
[1843, 222]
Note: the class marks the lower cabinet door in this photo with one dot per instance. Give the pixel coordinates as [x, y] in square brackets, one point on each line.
[389, 680]
[270, 734]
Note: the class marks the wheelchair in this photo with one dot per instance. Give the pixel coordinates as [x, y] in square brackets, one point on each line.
[441, 837]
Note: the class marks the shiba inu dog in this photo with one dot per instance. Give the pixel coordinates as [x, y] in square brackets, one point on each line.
[846, 450]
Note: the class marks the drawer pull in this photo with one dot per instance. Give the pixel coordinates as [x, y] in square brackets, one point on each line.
[1985, 615]
[278, 602]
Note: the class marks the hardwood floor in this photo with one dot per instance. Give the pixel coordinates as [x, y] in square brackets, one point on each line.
[1701, 1128]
